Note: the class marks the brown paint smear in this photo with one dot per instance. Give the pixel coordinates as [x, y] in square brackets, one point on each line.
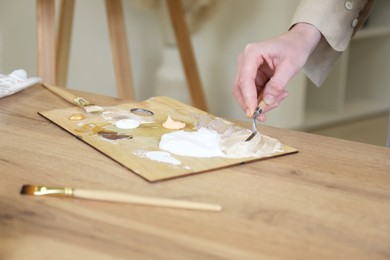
[111, 135]
[99, 130]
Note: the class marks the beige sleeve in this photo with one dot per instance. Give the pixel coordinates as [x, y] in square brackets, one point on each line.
[337, 20]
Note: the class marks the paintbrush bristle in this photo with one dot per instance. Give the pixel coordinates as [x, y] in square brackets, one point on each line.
[28, 190]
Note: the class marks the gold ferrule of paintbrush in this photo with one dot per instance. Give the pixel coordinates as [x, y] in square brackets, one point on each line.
[43, 191]
[81, 102]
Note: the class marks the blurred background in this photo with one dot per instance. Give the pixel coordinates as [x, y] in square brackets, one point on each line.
[353, 103]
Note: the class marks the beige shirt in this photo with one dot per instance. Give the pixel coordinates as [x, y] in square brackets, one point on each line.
[338, 21]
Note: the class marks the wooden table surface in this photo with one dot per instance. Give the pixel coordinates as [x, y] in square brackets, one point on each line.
[329, 201]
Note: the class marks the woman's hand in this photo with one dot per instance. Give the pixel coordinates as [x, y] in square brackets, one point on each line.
[265, 68]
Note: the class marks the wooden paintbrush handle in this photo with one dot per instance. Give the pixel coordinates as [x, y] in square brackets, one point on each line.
[62, 92]
[151, 201]
[262, 105]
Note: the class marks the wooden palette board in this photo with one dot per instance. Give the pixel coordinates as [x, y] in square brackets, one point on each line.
[131, 152]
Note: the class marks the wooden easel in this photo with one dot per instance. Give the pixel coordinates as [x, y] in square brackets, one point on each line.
[53, 50]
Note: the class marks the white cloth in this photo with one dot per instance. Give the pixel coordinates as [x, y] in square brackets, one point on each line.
[15, 82]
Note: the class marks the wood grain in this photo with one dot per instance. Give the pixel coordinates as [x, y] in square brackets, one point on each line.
[46, 54]
[120, 49]
[329, 201]
[63, 40]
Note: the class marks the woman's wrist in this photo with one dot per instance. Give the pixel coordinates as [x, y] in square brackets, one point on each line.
[309, 33]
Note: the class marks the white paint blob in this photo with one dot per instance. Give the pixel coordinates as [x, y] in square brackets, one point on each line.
[203, 143]
[127, 124]
[159, 156]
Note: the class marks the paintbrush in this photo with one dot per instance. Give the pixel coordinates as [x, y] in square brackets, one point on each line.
[68, 96]
[116, 197]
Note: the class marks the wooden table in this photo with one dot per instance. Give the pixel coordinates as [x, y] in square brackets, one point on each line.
[329, 201]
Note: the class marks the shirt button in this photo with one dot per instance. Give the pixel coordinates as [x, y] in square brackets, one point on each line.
[348, 5]
[355, 22]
